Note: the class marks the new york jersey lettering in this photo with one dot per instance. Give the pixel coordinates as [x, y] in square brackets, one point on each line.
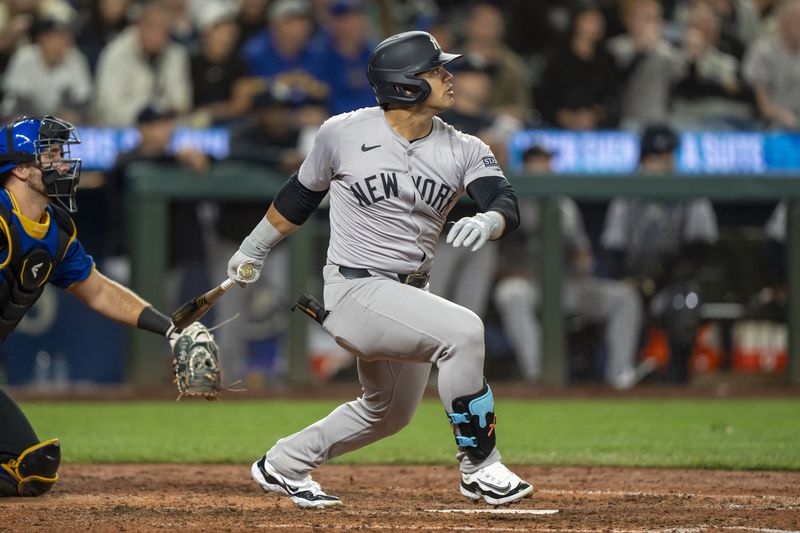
[436, 194]
[374, 190]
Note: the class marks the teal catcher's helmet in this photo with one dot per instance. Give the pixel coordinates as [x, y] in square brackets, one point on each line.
[24, 140]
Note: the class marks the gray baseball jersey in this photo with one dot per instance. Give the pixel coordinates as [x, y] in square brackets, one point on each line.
[390, 197]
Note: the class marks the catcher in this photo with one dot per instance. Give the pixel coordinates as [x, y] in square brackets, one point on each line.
[38, 244]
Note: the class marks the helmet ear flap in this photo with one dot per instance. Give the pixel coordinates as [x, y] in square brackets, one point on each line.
[416, 92]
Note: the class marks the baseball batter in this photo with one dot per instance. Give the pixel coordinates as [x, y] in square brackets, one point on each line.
[393, 173]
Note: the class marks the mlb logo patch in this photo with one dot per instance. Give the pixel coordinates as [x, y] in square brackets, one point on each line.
[491, 162]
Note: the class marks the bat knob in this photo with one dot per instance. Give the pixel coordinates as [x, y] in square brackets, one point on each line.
[246, 271]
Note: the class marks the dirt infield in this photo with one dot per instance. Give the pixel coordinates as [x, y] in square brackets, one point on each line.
[222, 497]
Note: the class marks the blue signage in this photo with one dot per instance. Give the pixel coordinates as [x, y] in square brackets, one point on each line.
[100, 146]
[617, 152]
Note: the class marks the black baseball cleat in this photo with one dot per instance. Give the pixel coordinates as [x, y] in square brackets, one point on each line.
[496, 484]
[305, 493]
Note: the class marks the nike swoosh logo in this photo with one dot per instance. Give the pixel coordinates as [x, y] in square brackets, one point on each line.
[499, 488]
[365, 148]
[274, 481]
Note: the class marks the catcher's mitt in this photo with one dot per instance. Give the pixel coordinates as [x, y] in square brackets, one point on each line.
[196, 362]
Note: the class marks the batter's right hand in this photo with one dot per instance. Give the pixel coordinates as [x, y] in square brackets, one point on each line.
[237, 260]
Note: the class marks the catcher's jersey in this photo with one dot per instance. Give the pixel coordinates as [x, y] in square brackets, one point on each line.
[74, 267]
[389, 197]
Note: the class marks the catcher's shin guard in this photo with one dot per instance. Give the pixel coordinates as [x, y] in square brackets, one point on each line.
[473, 423]
[32, 473]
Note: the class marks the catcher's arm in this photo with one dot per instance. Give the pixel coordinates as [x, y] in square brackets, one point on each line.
[120, 304]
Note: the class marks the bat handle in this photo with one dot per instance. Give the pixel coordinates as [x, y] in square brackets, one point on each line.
[227, 284]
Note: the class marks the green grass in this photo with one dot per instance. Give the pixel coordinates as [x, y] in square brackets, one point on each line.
[726, 434]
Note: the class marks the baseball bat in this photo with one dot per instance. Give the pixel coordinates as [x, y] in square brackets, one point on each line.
[194, 309]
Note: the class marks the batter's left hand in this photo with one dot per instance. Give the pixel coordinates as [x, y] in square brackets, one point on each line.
[474, 231]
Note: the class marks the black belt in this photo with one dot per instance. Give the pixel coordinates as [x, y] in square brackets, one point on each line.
[416, 279]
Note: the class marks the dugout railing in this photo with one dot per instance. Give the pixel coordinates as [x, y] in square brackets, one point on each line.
[152, 188]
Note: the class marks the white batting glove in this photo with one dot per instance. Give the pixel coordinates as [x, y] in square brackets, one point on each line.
[237, 260]
[254, 250]
[475, 230]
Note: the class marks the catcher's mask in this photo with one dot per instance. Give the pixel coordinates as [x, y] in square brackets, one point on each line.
[393, 66]
[45, 142]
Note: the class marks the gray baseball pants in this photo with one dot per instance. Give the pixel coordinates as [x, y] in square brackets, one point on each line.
[396, 331]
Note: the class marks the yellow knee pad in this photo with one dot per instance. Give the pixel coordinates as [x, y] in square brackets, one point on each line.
[34, 471]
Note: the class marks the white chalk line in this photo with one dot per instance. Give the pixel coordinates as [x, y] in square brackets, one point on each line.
[495, 511]
[783, 499]
[760, 529]
[404, 528]
[698, 529]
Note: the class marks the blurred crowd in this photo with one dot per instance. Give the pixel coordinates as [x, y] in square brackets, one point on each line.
[271, 71]
[576, 64]
[572, 64]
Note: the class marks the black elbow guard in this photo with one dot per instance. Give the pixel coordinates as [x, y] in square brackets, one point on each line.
[296, 202]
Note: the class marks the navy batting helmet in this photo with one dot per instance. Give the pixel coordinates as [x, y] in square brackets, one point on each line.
[26, 139]
[394, 64]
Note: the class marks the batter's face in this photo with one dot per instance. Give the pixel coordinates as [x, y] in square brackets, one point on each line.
[442, 95]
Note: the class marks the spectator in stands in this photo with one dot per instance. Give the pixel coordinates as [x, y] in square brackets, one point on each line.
[182, 29]
[156, 128]
[442, 30]
[657, 245]
[615, 303]
[17, 19]
[49, 77]
[532, 27]
[142, 68]
[271, 137]
[251, 19]
[347, 52]
[101, 23]
[709, 93]
[737, 22]
[766, 11]
[772, 68]
[472, 113]
[647, 62]
[775, 252]
[285, 53]
[484, 45]
[579, 85]
[221, 88]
